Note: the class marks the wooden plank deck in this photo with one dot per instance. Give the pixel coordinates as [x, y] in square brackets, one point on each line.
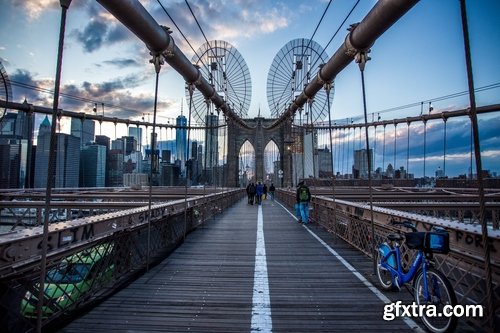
[207, 284]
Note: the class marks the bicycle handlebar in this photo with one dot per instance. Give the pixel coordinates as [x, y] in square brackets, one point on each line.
[410, 225]
[406, 224]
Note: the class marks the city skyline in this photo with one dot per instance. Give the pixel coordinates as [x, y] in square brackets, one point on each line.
[104, 63]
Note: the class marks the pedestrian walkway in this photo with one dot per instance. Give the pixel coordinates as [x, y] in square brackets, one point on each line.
[253, 269]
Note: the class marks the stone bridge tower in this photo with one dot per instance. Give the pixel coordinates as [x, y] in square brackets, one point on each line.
[259, 134]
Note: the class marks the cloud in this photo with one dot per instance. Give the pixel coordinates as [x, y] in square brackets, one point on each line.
[101, 30]
[116, 94]
[25, 87]
[92, 37]
[122, 63]
[222, 20]
[34, 8]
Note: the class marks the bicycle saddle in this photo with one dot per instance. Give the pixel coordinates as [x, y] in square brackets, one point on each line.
[395, 237]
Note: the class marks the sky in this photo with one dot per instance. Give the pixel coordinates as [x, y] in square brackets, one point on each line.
[419, 59]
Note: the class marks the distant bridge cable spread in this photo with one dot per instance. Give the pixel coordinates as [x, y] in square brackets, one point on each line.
[177, 27]
[361, 38]
[337, 31]
[334, 35]
[134, 16]
[441, 98]
[184, 36]
[212, 50]
[307, 46]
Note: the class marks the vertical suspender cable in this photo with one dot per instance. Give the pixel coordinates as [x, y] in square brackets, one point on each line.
[312, 141]
[395, 142]
[328, 87]
[50, 170]
[477, 151]
[407, 150]
[361, 58]
[425, 145]
[186, 158]
[157, 63]
[348, 151]
[344, 149]
[383, 152]
[224, 160]
[444, 147]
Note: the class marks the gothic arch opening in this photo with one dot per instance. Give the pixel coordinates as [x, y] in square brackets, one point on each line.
[246, 164]
[273, 172]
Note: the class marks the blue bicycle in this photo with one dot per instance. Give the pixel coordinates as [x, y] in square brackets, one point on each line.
[430, 287]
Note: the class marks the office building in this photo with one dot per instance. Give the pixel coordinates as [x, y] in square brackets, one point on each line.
[360, 167]
[67, 158]
[93, 166]
[83, 129]
[136, 132]
[181, 140]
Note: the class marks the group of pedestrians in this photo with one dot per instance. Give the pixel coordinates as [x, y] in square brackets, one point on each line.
[258, 192]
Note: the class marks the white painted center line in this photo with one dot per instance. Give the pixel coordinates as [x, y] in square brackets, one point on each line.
[261, 309]
[360, 277]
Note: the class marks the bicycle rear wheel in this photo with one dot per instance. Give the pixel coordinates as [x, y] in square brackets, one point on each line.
[440, 294]
[384, 276]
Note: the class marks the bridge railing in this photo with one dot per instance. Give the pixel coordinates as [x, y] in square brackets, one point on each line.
[89, 258]
[464, 265]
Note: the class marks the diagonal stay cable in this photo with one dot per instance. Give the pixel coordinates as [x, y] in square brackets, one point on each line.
[309, 42]
[335, 34]
[210, 47]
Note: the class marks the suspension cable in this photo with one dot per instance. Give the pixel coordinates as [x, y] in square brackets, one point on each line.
[395, 143]
[444, 147]
[477, 150]
[331, 39]
[407, 150]
[157, 61]
[425, 144]
[50, 172]
[187, 41]
[211, 48]
[328, 87]
[190, 90]
[361, 58]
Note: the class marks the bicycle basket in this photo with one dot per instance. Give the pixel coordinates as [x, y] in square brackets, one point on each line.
[435, 242]
[415, 240]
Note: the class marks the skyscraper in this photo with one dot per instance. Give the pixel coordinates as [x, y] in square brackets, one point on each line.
[211, 141]
[136, 132]
[83, 129]
[67, 159]
[360, 167]
[12, 164]
[104, 141]
[115, 167]
[181, 140]
[93, 166]
[15, 139]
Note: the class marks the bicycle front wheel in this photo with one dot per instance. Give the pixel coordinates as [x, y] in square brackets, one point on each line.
[440, 294]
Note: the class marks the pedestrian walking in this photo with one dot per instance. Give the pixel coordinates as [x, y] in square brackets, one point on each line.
[271, 191]
[303, 198]
[259, 190]
[251, 193]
